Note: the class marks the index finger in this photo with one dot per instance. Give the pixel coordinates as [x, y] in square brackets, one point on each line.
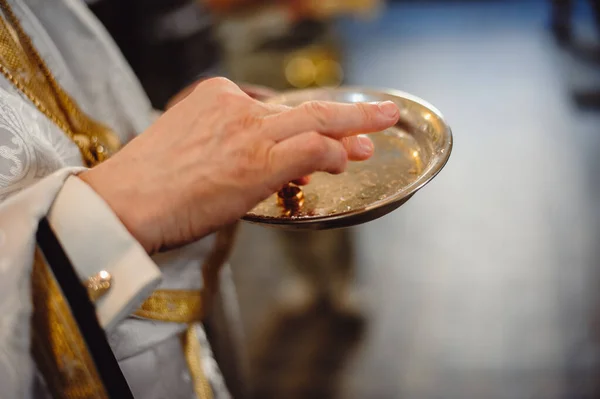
[335, 120]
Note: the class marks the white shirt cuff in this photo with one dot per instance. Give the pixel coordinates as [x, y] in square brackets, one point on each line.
[94, 239]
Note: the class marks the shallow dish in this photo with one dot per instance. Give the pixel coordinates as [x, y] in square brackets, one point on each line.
[407, 156]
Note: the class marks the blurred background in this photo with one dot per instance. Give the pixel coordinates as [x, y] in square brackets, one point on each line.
[486, 284]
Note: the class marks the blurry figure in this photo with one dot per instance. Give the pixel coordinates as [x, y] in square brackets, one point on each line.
[302, 349]
[583, 363]
[561, 23]
[283, 44]
[586, 96]
[299, 8]
[306, 343]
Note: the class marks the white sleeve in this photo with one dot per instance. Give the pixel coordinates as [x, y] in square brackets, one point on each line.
[95, 240]
[19, 218]
[84, 225]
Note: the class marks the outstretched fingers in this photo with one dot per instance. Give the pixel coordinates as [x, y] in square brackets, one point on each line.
[301, 155]
[332, 119]
[305, 154]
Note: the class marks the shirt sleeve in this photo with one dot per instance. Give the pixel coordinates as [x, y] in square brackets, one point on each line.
[95, 240]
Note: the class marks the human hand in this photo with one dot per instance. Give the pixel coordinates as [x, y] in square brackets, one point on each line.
[260, 93]
[216, 154]
[256, 92]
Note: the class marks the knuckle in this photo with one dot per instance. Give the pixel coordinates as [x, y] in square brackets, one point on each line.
[316, 146]
[242, 125]
[320, 111]
[218, 82]
[219, 89]
[251, 161]
[228, 98]
[365, 112]
[341, 159]
[348, 142]
[248, 121]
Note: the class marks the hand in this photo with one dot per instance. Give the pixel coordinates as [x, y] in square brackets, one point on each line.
[260, 93]
[257, 92]
[216, 154]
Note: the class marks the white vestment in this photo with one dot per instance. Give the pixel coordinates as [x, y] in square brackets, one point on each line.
[37, 163]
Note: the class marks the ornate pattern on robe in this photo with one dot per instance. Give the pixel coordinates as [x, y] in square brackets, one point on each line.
[36, 158]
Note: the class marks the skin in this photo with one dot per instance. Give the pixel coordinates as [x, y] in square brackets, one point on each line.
[260, 93]
[217, 153]
[257, 92]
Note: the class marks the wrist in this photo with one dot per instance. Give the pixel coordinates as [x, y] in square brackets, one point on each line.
[125, 204]
[95, 240]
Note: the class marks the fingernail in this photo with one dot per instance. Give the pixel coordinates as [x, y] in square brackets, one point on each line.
[389, 109]
[366, 145]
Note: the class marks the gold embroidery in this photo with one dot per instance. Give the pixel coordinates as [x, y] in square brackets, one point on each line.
[176, 306]
[57, 345]
[191, 348]
[190, 306]
[23, 66]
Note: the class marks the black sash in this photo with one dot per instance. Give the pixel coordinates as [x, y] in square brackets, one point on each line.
[84, 313]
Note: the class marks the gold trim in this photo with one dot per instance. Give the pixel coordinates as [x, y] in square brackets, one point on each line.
[192, 351]
[177, 306]
[24, 67]
[187, 306]
[57, 345]
[59, 349]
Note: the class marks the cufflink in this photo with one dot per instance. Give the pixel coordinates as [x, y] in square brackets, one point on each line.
[98, 285]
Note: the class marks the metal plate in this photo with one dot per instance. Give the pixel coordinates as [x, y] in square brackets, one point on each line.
[407, 156]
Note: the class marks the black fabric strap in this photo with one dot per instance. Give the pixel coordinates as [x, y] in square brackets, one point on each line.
[84, 313]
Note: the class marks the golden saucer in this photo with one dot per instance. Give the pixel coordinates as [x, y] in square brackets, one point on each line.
[407, 156]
